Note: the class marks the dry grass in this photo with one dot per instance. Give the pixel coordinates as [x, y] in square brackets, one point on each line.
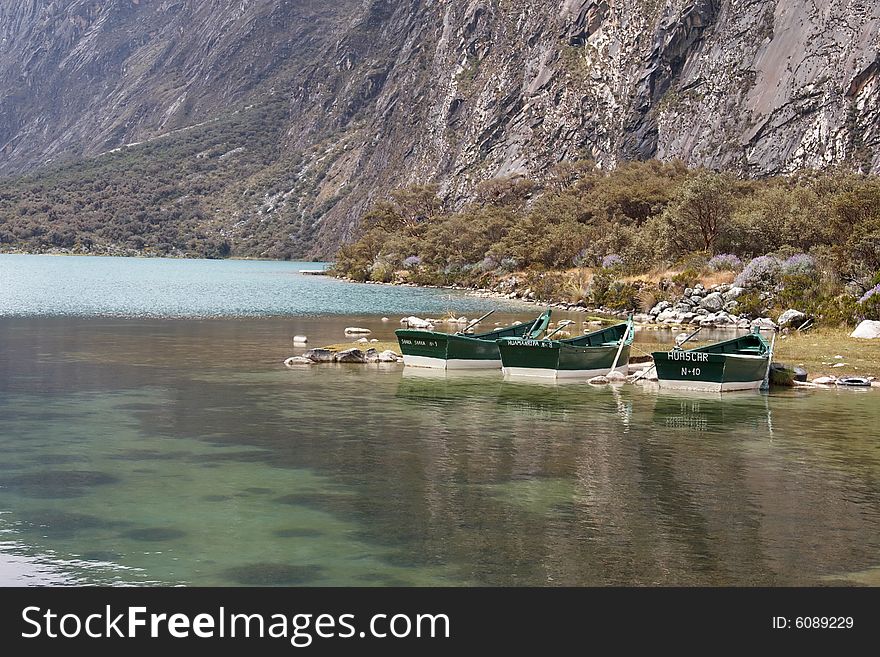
[815, 351]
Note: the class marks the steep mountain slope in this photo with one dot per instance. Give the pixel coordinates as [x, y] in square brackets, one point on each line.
[368, 95]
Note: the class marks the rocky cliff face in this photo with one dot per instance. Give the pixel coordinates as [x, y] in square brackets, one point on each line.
[383, 93]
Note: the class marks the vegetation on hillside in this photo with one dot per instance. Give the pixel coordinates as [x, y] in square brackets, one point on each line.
[640, 233]
[226, 187]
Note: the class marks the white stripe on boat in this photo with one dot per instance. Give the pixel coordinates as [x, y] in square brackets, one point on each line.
[548, 373]
[451, 364]
[712, 386]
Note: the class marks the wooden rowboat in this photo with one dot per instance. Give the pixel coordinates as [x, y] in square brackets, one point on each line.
[585, 356]
[457, 351]
[737, 364]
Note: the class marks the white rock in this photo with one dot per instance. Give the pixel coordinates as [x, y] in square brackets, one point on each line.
[363, 340]
[375, 340]
[616, 376]
[825, 380]
[293, 361]
[356, 329]
[840, 364]
[764, 323]
[388, 357]
[792, 317]
[642, 318]
[712, 302]
[867, 330]
[385, 319]
[599, 380]
[300, 339]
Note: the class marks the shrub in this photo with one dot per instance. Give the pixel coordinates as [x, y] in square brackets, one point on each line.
[687, 278]
[725, 262]
[412, 261]
[800, 264]
[751, 305]
[508, 264]
[869, 303]
[761, 273]
[612, 261]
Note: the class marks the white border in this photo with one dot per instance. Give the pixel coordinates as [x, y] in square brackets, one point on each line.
[712, 386]
[451, 364]
[547, 373]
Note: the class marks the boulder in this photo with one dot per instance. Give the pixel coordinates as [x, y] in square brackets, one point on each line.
[701, 312]
[825, 380]
[791, 318]
[695, 300]
[385, 319]
[642, 318]
[712, 302]
[351, 356]
[688, 291]
[356, 330]
[698, 288]
[730, 306]
[867, 330]
[300, 339]
[687, 318]
[764, 323]
[616, 376]
[599, 380]
[388, 357]
[734, 293]
[371, 356]
[298, 360]
[319, 355]
[723, 319]
[659, 308]
[666, 315]
[416, 323]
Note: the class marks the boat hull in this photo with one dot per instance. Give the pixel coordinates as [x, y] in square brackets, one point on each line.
[550, 359]
[446, 351]
[687, 370]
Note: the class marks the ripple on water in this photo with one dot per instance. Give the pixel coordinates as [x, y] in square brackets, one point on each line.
[155, 534]
[57, 484]
[273, 574]
[297, 533]
[54, 523]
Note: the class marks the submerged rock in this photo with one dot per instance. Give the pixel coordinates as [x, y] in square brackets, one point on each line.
[356, 330]
[300, 339]
[298, 360]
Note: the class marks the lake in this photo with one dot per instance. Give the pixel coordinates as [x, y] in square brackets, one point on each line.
[151, 435]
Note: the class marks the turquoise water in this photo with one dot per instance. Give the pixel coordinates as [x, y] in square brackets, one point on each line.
[159, 287]
[147, 450]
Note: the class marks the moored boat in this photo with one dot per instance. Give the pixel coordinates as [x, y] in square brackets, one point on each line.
[737, 364]
[457, 351]
[585, 356]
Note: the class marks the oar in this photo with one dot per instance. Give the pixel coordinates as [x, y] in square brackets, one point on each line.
[645, 371]
[766, 384]
[475, 322]
[620, 347]
[561, 326]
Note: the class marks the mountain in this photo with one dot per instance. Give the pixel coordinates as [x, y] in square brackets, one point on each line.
[265, 128]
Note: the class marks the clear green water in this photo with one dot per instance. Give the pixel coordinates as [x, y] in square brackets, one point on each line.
[181, 451]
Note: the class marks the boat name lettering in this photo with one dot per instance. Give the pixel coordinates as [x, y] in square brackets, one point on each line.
[698, 356]
[694, 371]
[420, 343]
[529, 343]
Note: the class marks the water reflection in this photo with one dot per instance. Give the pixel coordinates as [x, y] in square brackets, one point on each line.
[185, 454]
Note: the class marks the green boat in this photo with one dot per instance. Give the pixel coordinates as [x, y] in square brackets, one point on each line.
[585, 356]
[737, 364]
[462, 351]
